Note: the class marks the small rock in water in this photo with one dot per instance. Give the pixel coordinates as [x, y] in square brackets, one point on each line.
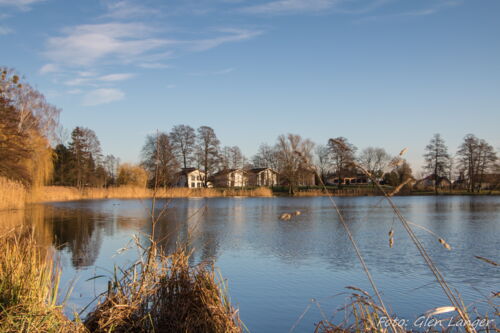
[285, 216]
[297, 213]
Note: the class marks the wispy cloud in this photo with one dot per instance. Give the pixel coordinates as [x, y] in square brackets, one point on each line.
[91, 79]
[127, 9]
[49, 68]
[21, 4]
[217, 72]
[153, 65]
[228, 35]
[126, 43]
[431, 10]
[289, 6]
[5, 31]
[84, 45]
[116, 77]
[171, 86]
[103, 96]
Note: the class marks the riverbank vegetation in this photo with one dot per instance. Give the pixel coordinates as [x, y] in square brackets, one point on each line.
[159, 292]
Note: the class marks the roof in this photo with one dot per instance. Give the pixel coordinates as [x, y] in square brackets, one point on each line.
[227, 171]
[186, 171]
[257, 170]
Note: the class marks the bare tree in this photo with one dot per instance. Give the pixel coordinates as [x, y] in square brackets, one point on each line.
[232, 158]
[437, 159]
[183, 140]
[111, 165]
[323, 162]
[266, 157]
[374, 160]
[342, 155]
[159, 160]
[208, 150]
[476, 157]
[294, 155]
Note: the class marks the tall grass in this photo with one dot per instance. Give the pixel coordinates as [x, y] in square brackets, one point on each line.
[165, 294]
[12, 194]
[60, 193]
[29, 285]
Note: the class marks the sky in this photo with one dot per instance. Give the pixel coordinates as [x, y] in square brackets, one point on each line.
[386, 73]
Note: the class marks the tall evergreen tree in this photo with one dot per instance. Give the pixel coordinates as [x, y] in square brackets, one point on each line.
[437, 159]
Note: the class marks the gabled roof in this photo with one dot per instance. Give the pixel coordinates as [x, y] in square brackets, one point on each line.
[186, 171]
[227, 171]
[257, 170]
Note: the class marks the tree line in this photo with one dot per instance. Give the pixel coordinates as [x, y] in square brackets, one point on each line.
[34, 149]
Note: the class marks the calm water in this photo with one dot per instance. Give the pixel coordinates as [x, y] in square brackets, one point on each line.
[274, 268]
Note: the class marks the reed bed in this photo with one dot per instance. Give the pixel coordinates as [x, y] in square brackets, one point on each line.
[29, 284]
[61, 193]
[159, 293]
[12, 194]
[165, 294]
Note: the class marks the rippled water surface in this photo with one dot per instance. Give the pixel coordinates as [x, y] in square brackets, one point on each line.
[274, 268]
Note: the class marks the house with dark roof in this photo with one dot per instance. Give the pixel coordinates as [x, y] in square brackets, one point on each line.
[431, 181]
[230, 178]
[191, 178]
[262, 177]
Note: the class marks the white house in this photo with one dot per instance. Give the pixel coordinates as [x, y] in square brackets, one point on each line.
[230, 178]
[262, 177]
[191, 177]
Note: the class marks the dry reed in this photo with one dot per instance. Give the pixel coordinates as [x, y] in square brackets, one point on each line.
[61, 193]
[165, 294]
[12, 195]
[29, 284]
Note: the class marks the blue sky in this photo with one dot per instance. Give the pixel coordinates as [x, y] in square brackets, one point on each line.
[386, 73]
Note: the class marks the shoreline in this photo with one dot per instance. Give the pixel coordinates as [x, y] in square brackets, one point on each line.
[15, 196]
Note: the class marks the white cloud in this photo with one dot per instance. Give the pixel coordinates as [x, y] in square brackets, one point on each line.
[116, 77]
[127, 9]
[171, 86]
[102, 96]
[230, 35]
[21, 4]
[79, 81]
[290, 6]
[217, 72]
[153, 65]
[48, 68]
[129, 43]
[75, 91]
[5, 31]
[84, 45]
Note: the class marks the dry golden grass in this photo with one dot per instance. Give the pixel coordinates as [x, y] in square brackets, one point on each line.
[29, 284]
[165, 294]
[60, 193]
[12, 195]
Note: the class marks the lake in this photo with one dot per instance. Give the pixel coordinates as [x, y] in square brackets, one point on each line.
[274, 269]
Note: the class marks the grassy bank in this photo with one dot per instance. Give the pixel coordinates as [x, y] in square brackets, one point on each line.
[59, 193]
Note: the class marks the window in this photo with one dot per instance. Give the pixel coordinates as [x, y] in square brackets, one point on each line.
[193, 177]
[193, 185]
[199, 184]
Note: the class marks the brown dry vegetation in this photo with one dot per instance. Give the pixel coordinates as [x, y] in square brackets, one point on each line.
[29, 286]
[60, 193]
[159, 293]
[168, 296]
[12, 194]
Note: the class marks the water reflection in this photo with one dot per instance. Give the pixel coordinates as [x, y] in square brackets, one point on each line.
[274, 265]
